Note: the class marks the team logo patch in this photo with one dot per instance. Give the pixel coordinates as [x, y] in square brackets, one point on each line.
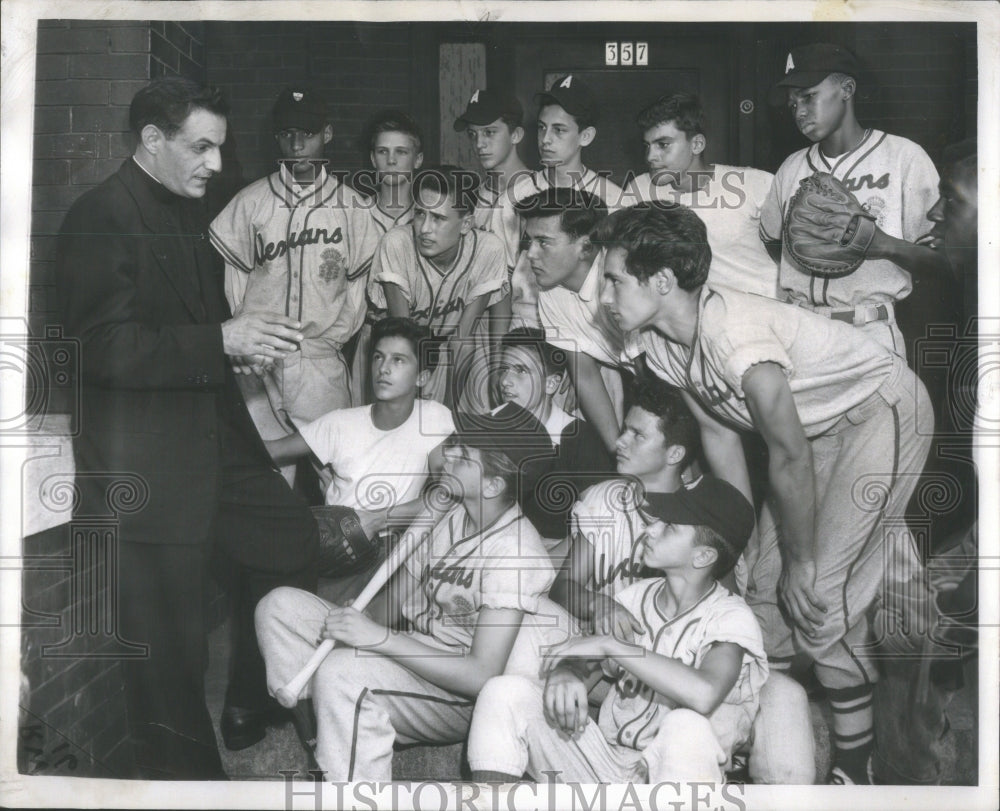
[875, 206]
[332, 266]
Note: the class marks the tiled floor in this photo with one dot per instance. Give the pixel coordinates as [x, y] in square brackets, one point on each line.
[280, 750]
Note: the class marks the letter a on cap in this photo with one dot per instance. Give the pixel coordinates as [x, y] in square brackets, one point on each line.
[475, 98]
[567, 81]
[789, 64]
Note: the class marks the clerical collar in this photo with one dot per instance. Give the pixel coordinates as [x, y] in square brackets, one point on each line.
[156, 188]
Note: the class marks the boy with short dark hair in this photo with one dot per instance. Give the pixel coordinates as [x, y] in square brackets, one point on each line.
[380, 455]
[727, 198]
[565, 268]
[686, 692]
[834, 407]
[461, 594]
[443, 273]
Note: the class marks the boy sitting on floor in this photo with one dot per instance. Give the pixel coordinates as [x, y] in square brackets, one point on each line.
[686, 692]
[462, 593]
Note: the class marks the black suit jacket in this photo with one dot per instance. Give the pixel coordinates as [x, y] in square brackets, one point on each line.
[141, 289]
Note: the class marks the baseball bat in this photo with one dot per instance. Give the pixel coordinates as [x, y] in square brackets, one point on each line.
[288, 696]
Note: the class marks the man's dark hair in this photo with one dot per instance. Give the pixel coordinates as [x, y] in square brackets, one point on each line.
[458, 184]
[683, 109]
[655, 237]
[964, 154]
[727, 556]
[578, 211]
[553, 358]
[674, 418]
[167, 102]
[418, 337]
[393, 121]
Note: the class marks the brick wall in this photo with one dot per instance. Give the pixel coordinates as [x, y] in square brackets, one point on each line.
[360, 68]
[73, 719]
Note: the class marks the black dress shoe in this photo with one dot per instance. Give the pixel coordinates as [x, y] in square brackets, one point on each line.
[242, 728]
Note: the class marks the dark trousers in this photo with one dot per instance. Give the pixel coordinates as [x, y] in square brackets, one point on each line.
[264, 537]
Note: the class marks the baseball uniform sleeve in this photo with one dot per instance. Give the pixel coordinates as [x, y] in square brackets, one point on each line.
[361, 228]
[516, 572]
[588, 511]
[744, 342]
[490, 270]
[920, 184]
[232, 233]
[561, 317]
[732, 620]
[772, 209]
[391, 265]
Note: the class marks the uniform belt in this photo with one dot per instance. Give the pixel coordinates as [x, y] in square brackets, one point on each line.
[858, 316]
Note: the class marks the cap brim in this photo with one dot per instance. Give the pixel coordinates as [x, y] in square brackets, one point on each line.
[779, 93]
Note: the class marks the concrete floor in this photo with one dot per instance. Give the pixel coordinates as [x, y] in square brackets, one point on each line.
[281, 751]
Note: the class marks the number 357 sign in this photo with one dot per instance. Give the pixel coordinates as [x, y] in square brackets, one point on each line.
[626, 53]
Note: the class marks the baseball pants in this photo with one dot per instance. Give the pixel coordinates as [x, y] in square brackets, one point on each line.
[364, 702]
[510, 734]
[866, 468]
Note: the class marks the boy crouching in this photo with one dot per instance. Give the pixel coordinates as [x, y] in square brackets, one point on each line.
[686, 692]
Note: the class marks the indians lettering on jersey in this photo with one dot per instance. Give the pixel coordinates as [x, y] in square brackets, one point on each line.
[892, 178]
[607, 517]
[269, 251]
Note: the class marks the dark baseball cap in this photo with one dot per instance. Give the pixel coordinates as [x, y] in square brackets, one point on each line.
[300, 108]
[711, 502]
[510, 430]
[573, 95]
[486, 106]
[808, 65]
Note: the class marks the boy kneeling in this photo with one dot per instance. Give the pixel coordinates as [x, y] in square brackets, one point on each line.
[687, 690]
[461, 594]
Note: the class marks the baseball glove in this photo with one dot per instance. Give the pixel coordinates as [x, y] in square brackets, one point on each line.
[826, 230]
[344, 548]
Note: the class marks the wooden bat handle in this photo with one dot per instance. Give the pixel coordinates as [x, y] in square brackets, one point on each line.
[288, 696]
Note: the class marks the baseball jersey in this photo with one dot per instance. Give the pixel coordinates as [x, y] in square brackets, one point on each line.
[381, 223]
[607, 517]
[375, 469]
[298, 250]
[503, 566]
[631, 712]
[523, 288]
[893, 179]
[831, 366]
[495, 213]
[438, 297]
[729, 205]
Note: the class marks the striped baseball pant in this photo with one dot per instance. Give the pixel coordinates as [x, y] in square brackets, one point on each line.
[866, 468]
[364, 702]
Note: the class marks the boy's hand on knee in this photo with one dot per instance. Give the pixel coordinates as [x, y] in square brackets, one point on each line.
[565, 702]
[798, 592]
[610, 618]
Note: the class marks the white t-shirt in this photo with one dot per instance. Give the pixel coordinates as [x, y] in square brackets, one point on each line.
[893, 179]
[729, 205]
[375, 469]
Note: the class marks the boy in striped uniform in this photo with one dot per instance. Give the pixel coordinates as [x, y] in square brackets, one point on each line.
[686, 692]
[294, 242]
[396, 151]
[461, 596]
[847, 427]
[891, 177]
[444, 273]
